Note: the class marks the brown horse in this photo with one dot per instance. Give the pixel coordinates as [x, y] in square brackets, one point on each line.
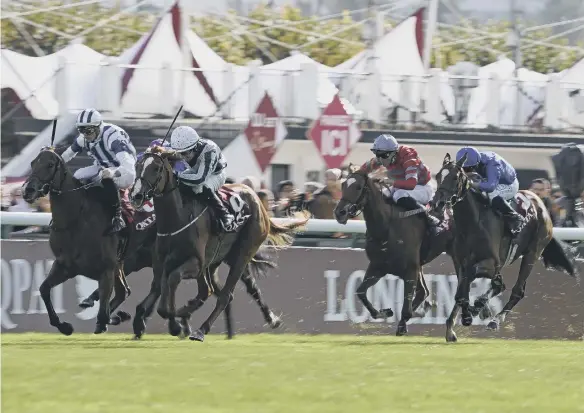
[483, 245]
[190, 244]
[397, 243]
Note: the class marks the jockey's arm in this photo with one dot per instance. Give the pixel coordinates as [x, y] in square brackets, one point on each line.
[74, 149]
[493, 176]
[203, 167]
[125, 174]
[410, 167]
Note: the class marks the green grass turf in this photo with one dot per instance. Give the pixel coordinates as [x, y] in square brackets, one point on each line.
[46, 373]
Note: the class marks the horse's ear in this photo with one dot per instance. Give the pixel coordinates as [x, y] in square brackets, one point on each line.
[447, 159]
[353, 168]
[462, 160]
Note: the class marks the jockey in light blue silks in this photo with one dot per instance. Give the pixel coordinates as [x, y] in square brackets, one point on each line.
[499, 182]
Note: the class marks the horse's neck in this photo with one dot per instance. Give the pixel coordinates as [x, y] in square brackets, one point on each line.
[467, 214]
[67, 204]
[170, 210]
[376, 218]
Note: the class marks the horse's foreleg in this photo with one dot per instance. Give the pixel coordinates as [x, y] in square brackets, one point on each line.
[146, 307]
[410, 281]
[225, 296]
[252, 289]
[451, 321]
[106, 285]
[462, 296]
[420, 305]
[90, 301]
[57, 275]
[372, 276]
[203, 292]
[518, 291]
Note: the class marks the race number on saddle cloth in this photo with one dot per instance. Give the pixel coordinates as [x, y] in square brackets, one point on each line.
[114, 160]
[411, 187]
[499, 182]
[205, 175]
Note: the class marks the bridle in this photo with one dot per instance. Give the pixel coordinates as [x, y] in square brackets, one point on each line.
[355, 208]
[462, 187]
[153, 189]
[49, 185]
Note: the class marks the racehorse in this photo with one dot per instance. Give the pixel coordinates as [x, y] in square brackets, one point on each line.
[78, 237]
[397, 243]
[190, 244]
[483, 245]
[143, 259]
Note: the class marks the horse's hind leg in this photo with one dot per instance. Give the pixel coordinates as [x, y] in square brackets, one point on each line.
[252, 289]
[372, 276]
[90, 301]
[422, 292]
[146, 307]
[57, 275]
[121, 292]
[518, 291]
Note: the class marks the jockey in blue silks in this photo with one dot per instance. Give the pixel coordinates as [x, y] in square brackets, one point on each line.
[499, 182]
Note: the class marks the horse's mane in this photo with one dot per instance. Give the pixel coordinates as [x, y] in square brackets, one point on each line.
[164, 153]
[356, 170]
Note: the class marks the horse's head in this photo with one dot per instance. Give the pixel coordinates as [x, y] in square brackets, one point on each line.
[154, 175]
[47, 173]
[453, 183]
[353, 197]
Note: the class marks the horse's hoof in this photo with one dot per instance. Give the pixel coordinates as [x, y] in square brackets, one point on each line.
[493, 325]
[115, 320]
[65, 328]
[174, 328]
[137, 337]
[385, 313]
[274, 321]
[451, 337]
[229, 336]
[197, 336]
[100, 328]
[87, 303]
[139, 327]
[401, 331]
[124, 316]
[466, 321]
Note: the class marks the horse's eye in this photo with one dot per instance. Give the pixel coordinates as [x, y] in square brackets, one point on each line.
[50, 164]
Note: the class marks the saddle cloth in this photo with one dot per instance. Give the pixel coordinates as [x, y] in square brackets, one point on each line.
[145, 217]
[522, 205]
[235, 204]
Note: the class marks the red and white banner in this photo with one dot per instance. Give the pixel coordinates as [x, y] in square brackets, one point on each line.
[334, 133]
[265, 131]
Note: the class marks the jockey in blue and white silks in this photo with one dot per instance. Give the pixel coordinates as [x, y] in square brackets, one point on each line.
[114, 158]
[499, 182]
[206, 169]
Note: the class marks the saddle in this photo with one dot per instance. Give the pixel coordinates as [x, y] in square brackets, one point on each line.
[235, 205]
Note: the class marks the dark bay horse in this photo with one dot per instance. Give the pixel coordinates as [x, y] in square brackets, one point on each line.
[397, 243]
[483, 245]
[78, 237]
[189, 244]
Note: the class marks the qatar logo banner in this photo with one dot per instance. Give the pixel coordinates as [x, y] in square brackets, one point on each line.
[265, 131]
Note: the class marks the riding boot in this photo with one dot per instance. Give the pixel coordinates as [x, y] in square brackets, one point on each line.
[410, 203]
[114, 200]
[226, 218]
[512, 219]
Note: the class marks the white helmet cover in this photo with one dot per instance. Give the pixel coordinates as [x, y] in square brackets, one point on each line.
[184, 138]
[89, 117]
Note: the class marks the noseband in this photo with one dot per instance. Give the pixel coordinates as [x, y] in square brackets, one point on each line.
[153, 190]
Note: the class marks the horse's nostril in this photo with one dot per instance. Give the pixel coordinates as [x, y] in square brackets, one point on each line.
[342, 212]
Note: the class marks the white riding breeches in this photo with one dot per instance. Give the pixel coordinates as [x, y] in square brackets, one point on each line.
[213, 182]
[506, 192]
[421, 193]
[89, 172]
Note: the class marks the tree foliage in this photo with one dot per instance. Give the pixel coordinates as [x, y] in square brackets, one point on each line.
[270, 34]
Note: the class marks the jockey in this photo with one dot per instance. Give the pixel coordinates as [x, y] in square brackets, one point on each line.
[501, 182]
[411, 188]
[206, 173]
[114, 159]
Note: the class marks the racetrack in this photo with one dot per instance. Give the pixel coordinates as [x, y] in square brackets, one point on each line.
[288, 373]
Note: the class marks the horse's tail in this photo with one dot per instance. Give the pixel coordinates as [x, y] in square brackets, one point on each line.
[283, 235]
[261, 263]
[560, 256]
